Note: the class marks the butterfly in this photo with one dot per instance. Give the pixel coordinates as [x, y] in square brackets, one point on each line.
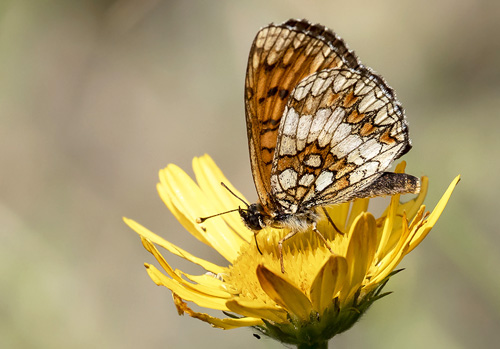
[322, 128]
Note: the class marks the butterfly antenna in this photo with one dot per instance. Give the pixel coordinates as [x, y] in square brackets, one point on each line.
[236, 196]
[203, 219]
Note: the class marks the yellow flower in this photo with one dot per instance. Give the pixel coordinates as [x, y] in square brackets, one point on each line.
[320, 294]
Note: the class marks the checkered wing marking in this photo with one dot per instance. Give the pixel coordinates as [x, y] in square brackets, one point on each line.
[280, 57]
[340, 130]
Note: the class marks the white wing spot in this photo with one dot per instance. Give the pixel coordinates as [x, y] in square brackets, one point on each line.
[382, 117]
[290, 122]
[333, 122]
[363, 171]
[301, 91]
[370, 149]
[256, 62]
[346, 146]
[288, 178]
[298, 40]
[342, 82]
[318, 123]
[274, 182]
[288, 145]
[280, 43]
[269, 40]
[362, 88]
[340, 133]
[366, 151]
[369, 103]
[304, 125]
[313, 160]
[306, 180]
[324, 180]
[272, 57]
[321, 84]
[386, 157]
[261, 39]
[338, 83]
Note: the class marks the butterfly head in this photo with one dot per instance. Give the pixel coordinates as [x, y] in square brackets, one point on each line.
[254, 216]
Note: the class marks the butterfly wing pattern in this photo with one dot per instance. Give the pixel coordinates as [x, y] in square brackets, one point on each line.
[322, 127]
[340, 130]
[280, 57]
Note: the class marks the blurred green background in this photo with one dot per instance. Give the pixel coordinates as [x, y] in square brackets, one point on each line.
[97, 96]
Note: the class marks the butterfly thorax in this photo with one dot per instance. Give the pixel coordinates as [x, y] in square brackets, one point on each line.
[257, 218]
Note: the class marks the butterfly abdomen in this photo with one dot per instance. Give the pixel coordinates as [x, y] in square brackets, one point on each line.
[298, 221]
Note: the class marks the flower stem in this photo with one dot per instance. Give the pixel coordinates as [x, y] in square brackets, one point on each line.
[321, 345]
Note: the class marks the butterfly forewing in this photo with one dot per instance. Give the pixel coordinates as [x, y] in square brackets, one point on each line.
[280, 57]
[340, 130]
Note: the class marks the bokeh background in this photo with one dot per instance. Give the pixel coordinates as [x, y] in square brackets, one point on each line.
[97, 95]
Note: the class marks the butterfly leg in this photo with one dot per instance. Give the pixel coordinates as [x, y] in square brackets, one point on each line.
[280, 248]
[256, 243]
[331, 221]
[315, 229]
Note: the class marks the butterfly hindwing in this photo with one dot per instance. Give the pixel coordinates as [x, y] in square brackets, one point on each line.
[281, 56]
[340, 130]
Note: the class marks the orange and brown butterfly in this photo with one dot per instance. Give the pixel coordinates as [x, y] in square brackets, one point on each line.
[322, 128]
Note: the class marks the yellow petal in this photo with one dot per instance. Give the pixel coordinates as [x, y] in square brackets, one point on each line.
[142, 231]
[284, 293]
[174, 199]
[225, 324]
[360, 253]
[358, 206]
[208, 172]
[187, 223]
[205, 284]
[189, 199]
[210, 177]
[201, 299]
[208, 279]
[434, 216]
[328, 282]
[154, 251]
[388, 228]
[394, 257]
[257, 310]
[400, 168]
[418, 219]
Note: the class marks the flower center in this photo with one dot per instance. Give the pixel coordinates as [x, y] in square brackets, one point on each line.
[303, 256]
